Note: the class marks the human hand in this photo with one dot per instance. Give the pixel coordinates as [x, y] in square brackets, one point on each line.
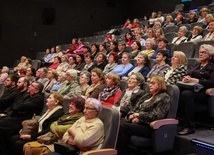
[25, 137]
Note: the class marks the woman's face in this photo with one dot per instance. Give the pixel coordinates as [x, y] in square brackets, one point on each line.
[140, 59]
[112, 46]
[61, 78]
[150, 34]
[50, 75]
[181, 33]
[88, 60]
[132, 82]
[28, 72]
[100, 58]
[110, 82]
[93, 48]
[56, 60]
[71, 61]
[73, 41]
[211, 26]
[195, 32]
[203, 55]
[51, 101]
[63, 59]
[52, 50]
[135, 46]
[148, 45]
[83, 79]
[137, 36]
[157, 33]
[125, 59]
[191, 16]
[95, 79]
[111, 59]
[90, 111]
[128, 36]
[47, 51]
[73, 109]
[175, 61]
[153, 86]
[159, 57]
[78, 59]
[101, 48]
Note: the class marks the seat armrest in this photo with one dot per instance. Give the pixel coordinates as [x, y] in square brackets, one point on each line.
[210, 91]
[101, 152]
[157, 124]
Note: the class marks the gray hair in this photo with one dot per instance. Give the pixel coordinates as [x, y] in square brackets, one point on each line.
[139, 77]
[208, 48]
[183, 28]
[87, 74]
[97, 104]
[6, 68]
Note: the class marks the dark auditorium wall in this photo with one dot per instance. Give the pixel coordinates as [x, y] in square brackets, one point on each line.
[24, 23]
[27, 26]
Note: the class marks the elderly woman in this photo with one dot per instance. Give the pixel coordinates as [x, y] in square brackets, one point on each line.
[58, 128]
[149, 45]
[142, 59]
[178, 69]
[203, 12]
[124, 68]
[210, 35]
[4, 73]
[111, 93]
[71, 62]
[131, 95]
[169, 21]
[60, 82]
[152, 106]
[56, 63]
[97, 80]
[161, 65]
[88, 62]
[196, 34]
[181, 35]
[55, 110]
[136, 47]
[202, 75]
[70, 86]
[21, 64]
[112, 62]
[85, 138]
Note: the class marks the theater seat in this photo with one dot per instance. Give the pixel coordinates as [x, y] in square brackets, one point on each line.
[163, 131]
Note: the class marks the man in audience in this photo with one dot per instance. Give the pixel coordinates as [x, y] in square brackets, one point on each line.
[29, 102]
[42, 75]
[10, 92]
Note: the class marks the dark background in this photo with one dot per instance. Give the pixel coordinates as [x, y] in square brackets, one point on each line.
[28, 26]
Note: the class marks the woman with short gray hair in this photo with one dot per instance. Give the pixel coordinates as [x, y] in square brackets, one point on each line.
[181, 35]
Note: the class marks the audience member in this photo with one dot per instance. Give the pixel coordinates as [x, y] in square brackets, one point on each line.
[100, 62]
[63, 66]
[152, 106]
[129, 39]
[88, 62]
[26, 104]
[51, 75]
[71, 62]
[94, 50]
[70, 86]
[149, 45]
[181, 35]
[80, 62]
[196, 35]
[54, 111]
[138, 37]
[21, 64]
[48, 55]
[112, 62]
[202, 76]
[10, 92]
[97, 80]
[193, 17]
[169, 21]
[4, 73]
[30, 74]
[161, 65]
[208, 19]
[203, 12]
[210, 35]
[79, 48]
[178, 68]
[111, 93]
[73, 46]
[60, 81]
[42, 75]
[121, 49]
[59, 127]
[124, 68]
[56, 63]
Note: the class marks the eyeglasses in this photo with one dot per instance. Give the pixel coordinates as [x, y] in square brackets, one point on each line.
[87, 108]
[33, 86]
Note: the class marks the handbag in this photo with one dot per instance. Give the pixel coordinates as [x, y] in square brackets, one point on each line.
[29, 126]
[48, 138]
[66, 149]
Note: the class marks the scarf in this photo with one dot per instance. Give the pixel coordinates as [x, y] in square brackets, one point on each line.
[91, 89]
[108, 92]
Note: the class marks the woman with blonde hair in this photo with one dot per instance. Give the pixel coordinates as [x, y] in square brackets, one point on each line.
[112, 92]
[178, 68]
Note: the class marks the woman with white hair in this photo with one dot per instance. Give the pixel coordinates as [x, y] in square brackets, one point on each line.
[87, 133]
[181, 35]
[201, 76]
[4, 73]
